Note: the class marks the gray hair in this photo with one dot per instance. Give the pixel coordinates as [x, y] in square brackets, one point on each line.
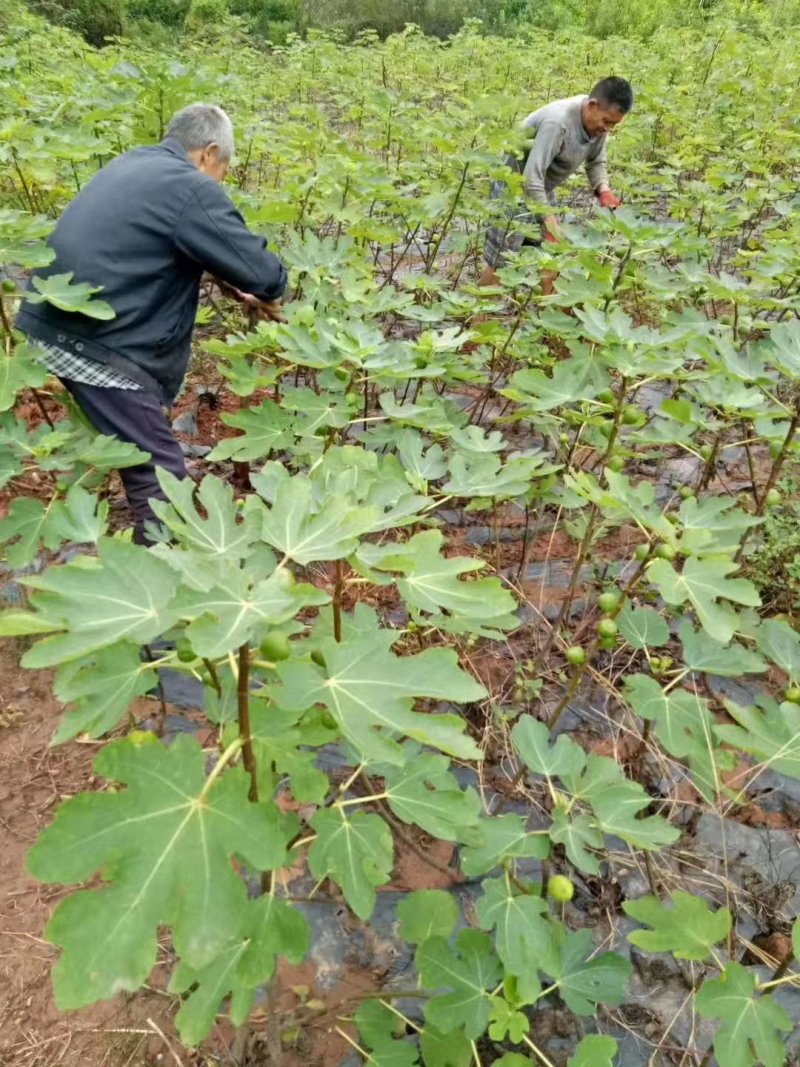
[200, 125]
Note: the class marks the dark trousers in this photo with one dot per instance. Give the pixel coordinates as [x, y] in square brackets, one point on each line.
[137, 417]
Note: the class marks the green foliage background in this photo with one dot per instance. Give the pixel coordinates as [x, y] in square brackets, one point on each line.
[275, 20]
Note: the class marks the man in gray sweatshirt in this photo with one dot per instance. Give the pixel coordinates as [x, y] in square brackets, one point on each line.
[564, 135]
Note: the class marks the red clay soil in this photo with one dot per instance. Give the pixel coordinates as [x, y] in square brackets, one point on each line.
[132, 1030]
[29, 410]
[33, 780]
[209, 408]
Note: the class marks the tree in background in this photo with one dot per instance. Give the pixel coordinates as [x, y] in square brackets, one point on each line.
[166, 12]
[95, 20]
[206, 13]
[439, 18]
[275, 20]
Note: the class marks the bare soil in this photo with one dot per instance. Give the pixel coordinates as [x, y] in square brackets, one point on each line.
[132, 1030]
[34, 778]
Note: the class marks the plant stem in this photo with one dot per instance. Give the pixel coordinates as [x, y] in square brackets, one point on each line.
[358, 772]
[162, 711]
[243, 698]
[498, 354]
[446, 224]
[710, 464]
[37, 396]
[524, 769]
[618, 276]
[400, 833]
[529, 541]
[537, 1052]
[6, 326]
[299, 844]
[389, 994]
[624, 593]
[352, 1043]
[783, 980]
[774, 473]
[525, 535]
[372, 798]
[590, 526]
[455, 876]
[568, 695]
[652, 881]
[573, 581]
[239, 1046]
[337, 602]
[212, 670]
[496, 534]
[28, 195]
[638, 759]
[750, 466]
[399, 1014]
[220, 765]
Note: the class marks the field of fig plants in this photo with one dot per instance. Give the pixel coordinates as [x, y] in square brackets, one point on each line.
[463, 575]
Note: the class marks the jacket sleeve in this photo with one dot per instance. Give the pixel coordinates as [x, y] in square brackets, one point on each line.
[212, 232]
[544, 151]
[597, 164]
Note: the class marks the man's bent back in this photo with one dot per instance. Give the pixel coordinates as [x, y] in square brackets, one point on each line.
[145, 229]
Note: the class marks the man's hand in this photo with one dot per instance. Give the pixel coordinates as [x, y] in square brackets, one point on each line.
[551, 229]
[271, 310]
[607, 199]
[260, 309]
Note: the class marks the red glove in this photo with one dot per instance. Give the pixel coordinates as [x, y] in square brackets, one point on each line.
[607, 199]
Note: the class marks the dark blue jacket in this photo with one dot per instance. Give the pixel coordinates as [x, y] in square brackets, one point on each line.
[145, 228]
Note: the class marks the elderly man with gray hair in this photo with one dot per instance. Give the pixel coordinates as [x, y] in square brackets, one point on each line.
[145, 228]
